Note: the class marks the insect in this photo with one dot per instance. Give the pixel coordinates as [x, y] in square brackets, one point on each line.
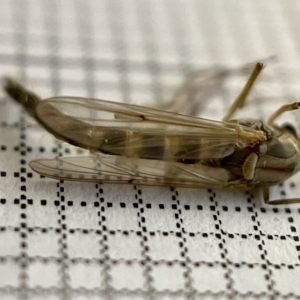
[148, 146]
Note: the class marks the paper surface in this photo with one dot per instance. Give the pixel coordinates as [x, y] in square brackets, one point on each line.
[62, 240]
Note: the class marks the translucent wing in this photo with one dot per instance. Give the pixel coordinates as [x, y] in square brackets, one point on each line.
[118, 169]
[135, 131]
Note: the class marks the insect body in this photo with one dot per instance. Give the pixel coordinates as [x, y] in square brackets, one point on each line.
[134, 144]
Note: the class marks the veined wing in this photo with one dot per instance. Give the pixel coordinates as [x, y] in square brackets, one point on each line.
[116, 169]
[136, 131]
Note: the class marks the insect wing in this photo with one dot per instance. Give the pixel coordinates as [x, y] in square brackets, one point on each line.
[131, 130]
[114, 169]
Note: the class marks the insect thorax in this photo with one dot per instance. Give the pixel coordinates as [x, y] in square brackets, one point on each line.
[267, 163]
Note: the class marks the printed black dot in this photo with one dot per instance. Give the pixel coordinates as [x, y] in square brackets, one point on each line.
[293, 229]
[275, 210]
[225, 208]
[296, 238]
[250, 209]
[43, 202]
[186, 207]
[135, 205]
[16, 201]
[83, 203]
[263, 210]
[122, 204]
[199, 207]
[96, 204]
[290, 219]
[30, 201]
[41, 149]
[287, 210]
[109, 204]
[22, 161]
[16, 174]
[29, 175]
[3, 148]
[23, 188]
[56, 203]
[2, 174]
[174, 206]
[238, 209]
[23, 245]
[2, 201]
[23, 205]
[161, 206]
[148, 205]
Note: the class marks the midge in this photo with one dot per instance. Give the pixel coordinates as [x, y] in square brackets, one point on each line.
[147, 146]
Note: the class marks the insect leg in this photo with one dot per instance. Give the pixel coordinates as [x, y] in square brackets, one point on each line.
[283, 201]
[282, 109]
[20, 94]
[240, 100]
[267, 200]
[200, 86]
[266, 194]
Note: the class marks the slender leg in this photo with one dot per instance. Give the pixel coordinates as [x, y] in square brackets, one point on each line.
[196, 90]
[240, 100]
[266, 194]
[22, 95]
[267, 200]
[201, 86]
[283, 201]
[282, 109]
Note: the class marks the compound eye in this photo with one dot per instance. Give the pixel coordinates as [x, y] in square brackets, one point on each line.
[290, 128]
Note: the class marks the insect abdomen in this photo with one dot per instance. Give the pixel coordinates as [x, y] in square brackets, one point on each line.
[187, 150]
